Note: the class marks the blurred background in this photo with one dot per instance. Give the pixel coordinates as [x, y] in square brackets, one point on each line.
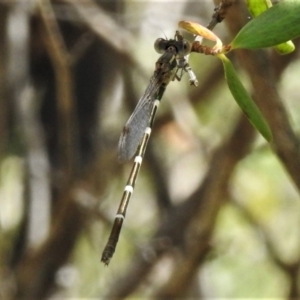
[216, 210]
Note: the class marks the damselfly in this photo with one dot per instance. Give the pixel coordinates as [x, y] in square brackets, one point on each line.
[170, 66]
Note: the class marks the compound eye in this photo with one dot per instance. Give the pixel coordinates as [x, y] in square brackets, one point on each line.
[160, 45]
[185, 48]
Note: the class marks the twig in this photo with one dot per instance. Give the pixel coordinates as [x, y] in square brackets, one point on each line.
[220, 13]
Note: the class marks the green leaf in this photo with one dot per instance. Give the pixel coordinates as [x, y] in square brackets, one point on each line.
[285, 48]
[244, 100]
[276, 25]
[256, 8]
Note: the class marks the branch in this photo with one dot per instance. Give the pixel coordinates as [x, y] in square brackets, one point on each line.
[258, 66]
[64, 85]
[196, 215]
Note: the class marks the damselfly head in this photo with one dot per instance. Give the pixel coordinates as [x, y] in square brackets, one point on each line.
[160, 45]
[183, 47]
